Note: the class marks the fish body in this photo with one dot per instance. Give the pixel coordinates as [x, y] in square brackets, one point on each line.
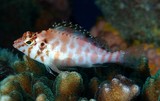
[62, 47]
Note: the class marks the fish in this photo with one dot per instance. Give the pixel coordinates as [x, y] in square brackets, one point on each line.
[65, 45]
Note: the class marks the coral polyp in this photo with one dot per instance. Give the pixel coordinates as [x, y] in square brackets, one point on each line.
[28, 64]
[119, 89]
[41, 91]
[68, 85]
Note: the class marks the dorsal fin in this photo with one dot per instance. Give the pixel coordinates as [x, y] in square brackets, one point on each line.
[68, 26]
[80, 32]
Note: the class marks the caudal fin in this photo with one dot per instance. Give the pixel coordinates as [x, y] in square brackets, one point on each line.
[134, 57]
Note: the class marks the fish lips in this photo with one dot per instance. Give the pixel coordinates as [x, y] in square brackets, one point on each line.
[17, 42]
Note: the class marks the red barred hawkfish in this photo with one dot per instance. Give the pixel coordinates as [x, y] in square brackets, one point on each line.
[65, 45]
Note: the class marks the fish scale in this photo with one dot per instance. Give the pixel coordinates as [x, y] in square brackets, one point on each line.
[63, 46]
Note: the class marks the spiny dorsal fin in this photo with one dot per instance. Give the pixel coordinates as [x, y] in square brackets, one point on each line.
[75, 27]
[80, 32]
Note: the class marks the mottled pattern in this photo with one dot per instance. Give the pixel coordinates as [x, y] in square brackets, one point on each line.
[60, 48]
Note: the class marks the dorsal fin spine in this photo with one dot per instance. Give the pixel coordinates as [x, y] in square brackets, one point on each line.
[79, 31]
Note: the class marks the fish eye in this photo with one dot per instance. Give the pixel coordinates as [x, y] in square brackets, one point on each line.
[29, 42]
[42, 44]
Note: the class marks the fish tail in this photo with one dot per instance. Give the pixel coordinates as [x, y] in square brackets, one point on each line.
[128, 58]
[133, 59]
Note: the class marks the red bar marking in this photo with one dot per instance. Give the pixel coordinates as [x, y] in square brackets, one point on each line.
[117, 57]
[94, 58]
[103, 58]
[110, 57]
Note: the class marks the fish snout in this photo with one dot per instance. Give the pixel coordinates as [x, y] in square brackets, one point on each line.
[16, 42]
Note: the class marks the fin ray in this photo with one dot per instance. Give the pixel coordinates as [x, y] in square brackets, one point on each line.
[79, 32]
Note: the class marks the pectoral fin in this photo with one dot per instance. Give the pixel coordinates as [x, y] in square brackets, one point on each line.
[52, 68]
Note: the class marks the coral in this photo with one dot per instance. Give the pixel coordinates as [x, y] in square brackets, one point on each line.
[41, 91]
[134, 19]
[46, 81]
[82, 99]
[31, 82]
[30, 65]
[25, 86]
[68, 86]
[25, 80]
[85, 99]
[119, 89]
[142, 69]
[7, 60]
[10, 86]
[8, 56]
[126, 25]
[151, 88]
[5, 70]
[133, 70]
[151, 52]
[12, 96]
[42, 97]
[93, 86]
[19, 82]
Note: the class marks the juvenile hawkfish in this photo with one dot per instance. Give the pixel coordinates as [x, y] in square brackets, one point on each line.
[64, 46]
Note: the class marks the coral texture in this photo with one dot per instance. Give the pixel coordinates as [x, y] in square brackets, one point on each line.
[31, 81]
[120, 89]
[30, 65]
[41, 91]
[27, 86]
[68, 86]
[7, 60]
[151, 88]
[23, 86]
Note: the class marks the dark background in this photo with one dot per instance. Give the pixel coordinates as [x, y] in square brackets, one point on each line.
[19, 16]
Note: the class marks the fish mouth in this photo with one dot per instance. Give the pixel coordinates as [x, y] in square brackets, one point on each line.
[17, 42]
